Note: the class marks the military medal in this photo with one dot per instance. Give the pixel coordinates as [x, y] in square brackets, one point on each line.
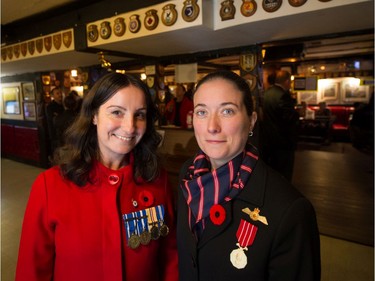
[245, 235]
[134, 241]
[130, 228]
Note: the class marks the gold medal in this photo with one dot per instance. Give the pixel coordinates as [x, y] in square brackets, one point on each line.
[134, 241]
[164, 230]
[155, 234]
[145, 238]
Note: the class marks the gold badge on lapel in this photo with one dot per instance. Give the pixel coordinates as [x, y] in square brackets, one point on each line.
[254, 215]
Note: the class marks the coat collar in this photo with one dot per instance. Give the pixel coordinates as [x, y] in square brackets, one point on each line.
[253, 194]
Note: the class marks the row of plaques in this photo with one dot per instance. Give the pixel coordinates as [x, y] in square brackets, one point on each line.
[169, 16]
[38, 45]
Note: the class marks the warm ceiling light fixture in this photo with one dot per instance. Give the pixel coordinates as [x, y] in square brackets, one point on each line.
[103, 62]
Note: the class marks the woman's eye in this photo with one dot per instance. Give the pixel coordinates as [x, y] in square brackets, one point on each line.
[200, 113]
[228, 111]
[116, 112]
[141, 115]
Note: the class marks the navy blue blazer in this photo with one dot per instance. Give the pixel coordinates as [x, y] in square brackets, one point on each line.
[286, 249]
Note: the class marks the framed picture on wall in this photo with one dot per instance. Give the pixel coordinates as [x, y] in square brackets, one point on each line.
[353, 92]
[29, 110]
[28, 91]
[11, 100]
[330, 91]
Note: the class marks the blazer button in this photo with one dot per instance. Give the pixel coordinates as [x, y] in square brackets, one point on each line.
[113, 179]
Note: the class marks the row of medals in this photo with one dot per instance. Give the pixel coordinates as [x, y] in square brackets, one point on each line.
[158, 229]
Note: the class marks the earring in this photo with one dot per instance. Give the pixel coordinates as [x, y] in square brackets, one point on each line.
[251, 133]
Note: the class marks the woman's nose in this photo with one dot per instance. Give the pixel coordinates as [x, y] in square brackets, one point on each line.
[213, 124]
[128, 124]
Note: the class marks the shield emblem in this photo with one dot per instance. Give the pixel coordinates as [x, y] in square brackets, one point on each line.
[48, 43]
[67, 38]
[169, 15]
[3, 54]
[39, 45]
[248, 8]
[119, 28]
[31, 47]
[92, 33]
[24, 49]
[16, 50]
[57, 41]
[134, 24]
[10, 52]
[151, 20]
[248, 62]
[227, 10]
[190, 11]
[150, 81]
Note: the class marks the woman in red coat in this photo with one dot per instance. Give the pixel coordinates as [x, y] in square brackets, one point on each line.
[105, 211]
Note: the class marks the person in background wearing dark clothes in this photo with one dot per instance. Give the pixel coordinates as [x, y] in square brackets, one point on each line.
[238, 219]
[279, 127]
[64, 120]
[361, 127]
[178, 108]
[53, 109]
[78, 100]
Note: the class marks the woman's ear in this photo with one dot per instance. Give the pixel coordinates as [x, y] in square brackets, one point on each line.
[253, 120]
[95, 120]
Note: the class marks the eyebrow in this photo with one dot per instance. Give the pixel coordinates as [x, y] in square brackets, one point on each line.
[123, 108]
[221, 105]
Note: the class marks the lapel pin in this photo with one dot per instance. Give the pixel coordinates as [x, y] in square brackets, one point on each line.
[254, 215]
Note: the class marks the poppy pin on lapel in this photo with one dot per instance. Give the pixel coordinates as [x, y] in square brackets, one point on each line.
[254, 215]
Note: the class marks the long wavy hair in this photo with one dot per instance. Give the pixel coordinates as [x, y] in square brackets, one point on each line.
[81, 148]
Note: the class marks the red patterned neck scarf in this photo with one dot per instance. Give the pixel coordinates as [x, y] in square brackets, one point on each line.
[203, 188]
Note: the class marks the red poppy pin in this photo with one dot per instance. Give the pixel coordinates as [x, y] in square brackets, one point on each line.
[217, 214]
[146, 198]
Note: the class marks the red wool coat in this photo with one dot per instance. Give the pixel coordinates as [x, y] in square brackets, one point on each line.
[73, 233]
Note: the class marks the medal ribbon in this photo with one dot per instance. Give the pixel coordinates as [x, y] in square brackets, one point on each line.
[160, 213]
[246, 233]
[129, 223]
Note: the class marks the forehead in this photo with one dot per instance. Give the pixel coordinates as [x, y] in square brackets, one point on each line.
[127, 97]
[218, 90]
